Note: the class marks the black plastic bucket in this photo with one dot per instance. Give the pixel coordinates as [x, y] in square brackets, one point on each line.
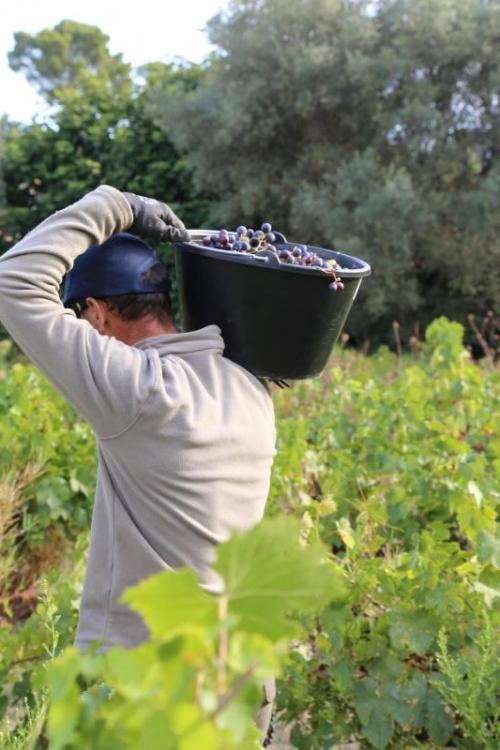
[278, 321]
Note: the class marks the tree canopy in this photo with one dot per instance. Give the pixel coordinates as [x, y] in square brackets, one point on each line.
[369, 127]
[99, 130]
[71, 56]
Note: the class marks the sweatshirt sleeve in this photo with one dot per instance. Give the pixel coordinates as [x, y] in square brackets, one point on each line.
[106, 380]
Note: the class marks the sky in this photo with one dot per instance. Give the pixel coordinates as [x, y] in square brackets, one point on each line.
[143, 31]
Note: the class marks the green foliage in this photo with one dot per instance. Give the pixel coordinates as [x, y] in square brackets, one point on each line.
[198, 683]
[37, 425]
[47, 478]
[26, 647]
[388, 585]
[396, 468]
[28, 733]
[470, 684]
[71, 56]
[99, 131]
[264, 579]
[366, 127]
[371, 127]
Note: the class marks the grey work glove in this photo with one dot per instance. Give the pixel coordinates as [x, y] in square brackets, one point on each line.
[155, 220]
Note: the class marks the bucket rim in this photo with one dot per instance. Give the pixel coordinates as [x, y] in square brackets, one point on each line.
[360, 270]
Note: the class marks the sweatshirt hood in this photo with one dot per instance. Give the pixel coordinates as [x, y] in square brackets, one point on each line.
[190, 342]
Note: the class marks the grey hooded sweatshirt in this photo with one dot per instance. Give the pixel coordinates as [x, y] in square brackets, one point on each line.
[185, 437]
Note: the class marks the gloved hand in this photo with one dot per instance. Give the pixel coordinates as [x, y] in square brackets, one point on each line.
[155, 220]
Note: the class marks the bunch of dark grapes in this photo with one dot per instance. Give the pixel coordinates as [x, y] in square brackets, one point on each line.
[256, 241]
[243, 240]
[300, 255]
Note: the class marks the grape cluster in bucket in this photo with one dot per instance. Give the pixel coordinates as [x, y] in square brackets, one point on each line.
[262, 240]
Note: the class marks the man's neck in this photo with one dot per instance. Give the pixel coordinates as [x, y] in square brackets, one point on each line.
[133, 332]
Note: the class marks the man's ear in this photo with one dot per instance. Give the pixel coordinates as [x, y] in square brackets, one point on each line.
[97, 314]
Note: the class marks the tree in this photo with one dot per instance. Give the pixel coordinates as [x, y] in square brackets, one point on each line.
[100, 131]
[369, 127]
[70, 57]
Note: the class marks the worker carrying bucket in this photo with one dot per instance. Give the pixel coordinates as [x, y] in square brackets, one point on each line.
[185, 436]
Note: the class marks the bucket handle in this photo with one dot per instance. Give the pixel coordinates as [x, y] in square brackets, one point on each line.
[280, 238]
[267, 257]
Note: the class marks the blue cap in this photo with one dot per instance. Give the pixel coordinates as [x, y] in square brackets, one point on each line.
[118, 266]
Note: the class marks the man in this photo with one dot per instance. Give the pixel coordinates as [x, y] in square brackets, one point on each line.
[185, 437]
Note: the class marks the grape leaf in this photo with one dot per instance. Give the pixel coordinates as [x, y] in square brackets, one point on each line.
[489, 592]
[379, 731]
[437, 721]
[268, 573]
[377, 724]
[172, 603]
[62, 673]
[156, 734]
[414, 630]
[475, 492]
[489, 548]
[63, 718]
[185, 728]
[64, 692]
